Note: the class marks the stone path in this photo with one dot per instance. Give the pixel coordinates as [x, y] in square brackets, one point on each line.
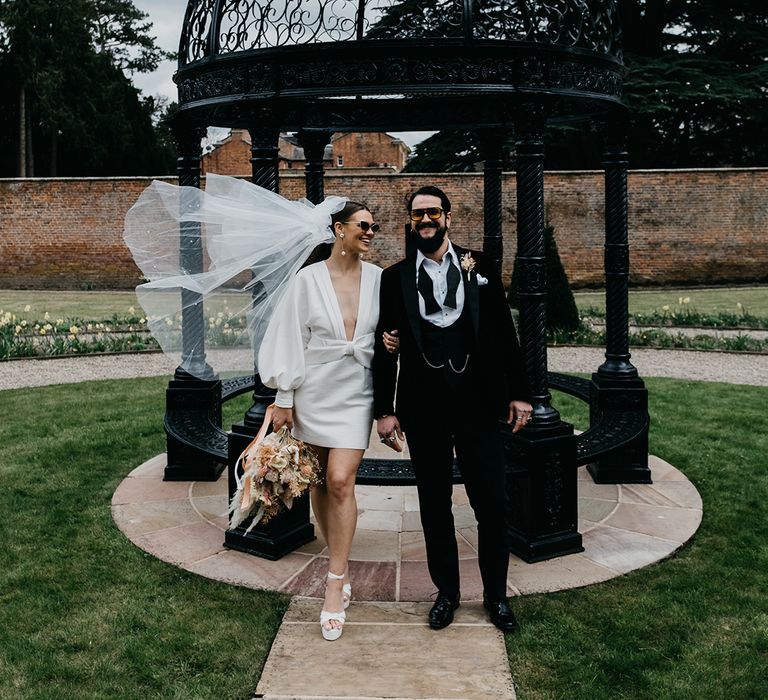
[387, 651]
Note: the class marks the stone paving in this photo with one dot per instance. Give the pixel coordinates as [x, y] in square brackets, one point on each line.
[624, 527]
[387, 650]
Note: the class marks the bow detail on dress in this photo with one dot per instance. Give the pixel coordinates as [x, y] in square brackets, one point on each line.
[331, 350]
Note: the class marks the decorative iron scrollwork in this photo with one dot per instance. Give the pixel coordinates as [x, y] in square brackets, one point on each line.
[236, 80]
[232, 26]
[614, 429]
[554, 488]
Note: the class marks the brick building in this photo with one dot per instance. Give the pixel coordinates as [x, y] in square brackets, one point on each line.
[358, 151]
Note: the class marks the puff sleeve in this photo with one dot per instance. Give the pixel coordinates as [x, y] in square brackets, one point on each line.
[281, 360]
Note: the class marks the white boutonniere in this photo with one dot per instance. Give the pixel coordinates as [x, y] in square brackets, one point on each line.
[467, 263]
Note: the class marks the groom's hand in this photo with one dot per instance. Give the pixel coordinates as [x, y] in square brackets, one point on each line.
[519, 414]
[390, 432]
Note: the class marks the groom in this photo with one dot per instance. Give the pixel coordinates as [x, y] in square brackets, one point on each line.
[460, 371]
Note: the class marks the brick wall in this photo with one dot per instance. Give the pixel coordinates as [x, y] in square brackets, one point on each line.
[686, 227]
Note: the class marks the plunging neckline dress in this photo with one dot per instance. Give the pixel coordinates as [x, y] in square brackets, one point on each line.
[306, 356]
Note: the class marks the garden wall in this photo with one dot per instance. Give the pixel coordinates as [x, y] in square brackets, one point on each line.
[686, 226]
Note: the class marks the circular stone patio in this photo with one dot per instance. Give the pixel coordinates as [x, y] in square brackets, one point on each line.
[624, 527]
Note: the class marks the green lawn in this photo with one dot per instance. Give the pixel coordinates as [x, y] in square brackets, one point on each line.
[64, 304]
[101, 305]
[85, 614]
[706, 301]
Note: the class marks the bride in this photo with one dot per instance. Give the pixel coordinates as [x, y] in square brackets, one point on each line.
[311, 329]
[317, 353]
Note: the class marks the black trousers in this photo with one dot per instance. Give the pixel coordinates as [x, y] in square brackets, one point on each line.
[432, 436]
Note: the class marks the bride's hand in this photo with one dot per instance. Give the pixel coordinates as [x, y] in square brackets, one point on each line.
[281, 417]
[392, 342]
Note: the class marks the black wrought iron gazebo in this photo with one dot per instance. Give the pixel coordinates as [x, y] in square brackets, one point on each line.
[495, 66]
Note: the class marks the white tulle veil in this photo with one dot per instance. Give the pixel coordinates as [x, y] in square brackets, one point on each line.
[253, 243]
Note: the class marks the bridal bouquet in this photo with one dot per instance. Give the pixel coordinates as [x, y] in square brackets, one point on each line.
[276, 469]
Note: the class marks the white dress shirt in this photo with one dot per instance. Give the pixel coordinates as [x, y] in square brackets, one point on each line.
[438, 273]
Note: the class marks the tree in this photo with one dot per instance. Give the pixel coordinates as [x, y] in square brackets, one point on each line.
[562, 312]
[64, 84]
[697, 74]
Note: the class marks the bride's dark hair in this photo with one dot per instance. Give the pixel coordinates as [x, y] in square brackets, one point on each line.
[323, 251]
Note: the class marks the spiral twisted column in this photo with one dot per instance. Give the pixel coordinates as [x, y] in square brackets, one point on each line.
[191, 259]
[616, 386]
[194, 393]
[291, 528]
[264, 173]
[531, 261]
[616, 161]
[314, 143]
[264, 152]
[493, 243]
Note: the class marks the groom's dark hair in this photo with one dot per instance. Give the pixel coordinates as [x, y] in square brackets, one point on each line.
[433, 192]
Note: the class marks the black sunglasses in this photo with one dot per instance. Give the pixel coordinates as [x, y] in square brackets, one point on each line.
[364, 225]
[434, 213]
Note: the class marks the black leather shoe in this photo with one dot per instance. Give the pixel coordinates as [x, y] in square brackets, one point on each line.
[441, 614]
[501, 615]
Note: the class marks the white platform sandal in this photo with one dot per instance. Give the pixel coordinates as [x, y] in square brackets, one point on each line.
[346, 594]
[331, 634]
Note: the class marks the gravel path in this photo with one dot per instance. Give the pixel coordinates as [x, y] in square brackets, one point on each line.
[732, 368]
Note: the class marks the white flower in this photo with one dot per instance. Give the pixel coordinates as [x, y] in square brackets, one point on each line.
[74, 330]
[27, 308]
[467, 263]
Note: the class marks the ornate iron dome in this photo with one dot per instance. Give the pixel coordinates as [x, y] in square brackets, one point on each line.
[294, 56]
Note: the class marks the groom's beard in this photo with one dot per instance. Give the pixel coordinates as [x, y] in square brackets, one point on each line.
[430, 245]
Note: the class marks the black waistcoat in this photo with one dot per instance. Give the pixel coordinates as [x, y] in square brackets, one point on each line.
[448, 352]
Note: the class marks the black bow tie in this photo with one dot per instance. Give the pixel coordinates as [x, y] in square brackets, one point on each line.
[426, 289]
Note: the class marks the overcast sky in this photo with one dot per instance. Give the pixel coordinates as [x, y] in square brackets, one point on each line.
[167, 17]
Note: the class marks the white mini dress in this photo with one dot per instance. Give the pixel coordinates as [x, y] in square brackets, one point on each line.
[306, 356]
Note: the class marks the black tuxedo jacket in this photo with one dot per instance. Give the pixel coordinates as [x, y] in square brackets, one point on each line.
[497, 361]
